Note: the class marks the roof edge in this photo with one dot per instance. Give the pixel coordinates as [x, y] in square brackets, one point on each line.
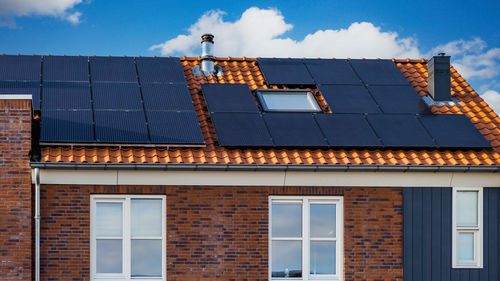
[272, 167]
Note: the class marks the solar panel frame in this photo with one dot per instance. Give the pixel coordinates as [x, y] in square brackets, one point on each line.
[67, 126]
[120, 126]
[66, 68]
[400, 130]
[347, 130]
[332, 71]
[349, 99]
[241, 129]
[285, 71]
[20, 68]
[117, 96]
[113, 69]
[174, 127]
[229, 98]
[66, 95]
[161, 70]
[165, 97]
[294, 129]
[453, 131]
[378, 72]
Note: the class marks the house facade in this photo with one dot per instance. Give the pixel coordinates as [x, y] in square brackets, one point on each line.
[217, 198]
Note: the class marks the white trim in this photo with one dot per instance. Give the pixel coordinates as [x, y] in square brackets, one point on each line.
[15, 97]
[306, 202]
[476, 230]
[267, 178]
[125, 199]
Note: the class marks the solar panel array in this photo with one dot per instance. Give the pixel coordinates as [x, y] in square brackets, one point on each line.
[122, 100]
[373, 105]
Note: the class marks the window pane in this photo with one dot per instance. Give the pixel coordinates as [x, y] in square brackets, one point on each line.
[287, 259]
[146, 217]
[109, 256]
[465, 246]
[466, 208]
[323, 257]
[288, 101]
[287, 220]
[146, 258]
[109, 219]
[323, 219]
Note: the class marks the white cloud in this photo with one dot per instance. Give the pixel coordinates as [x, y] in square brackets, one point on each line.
[492, 98]
[260, 32]
[56, 8]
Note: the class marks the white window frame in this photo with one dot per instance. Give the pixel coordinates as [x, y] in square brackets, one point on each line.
[306, 201]
[261, 93]
[126, 246]
[476, 230]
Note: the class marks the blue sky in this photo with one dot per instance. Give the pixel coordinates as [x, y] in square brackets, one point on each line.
[467, 30]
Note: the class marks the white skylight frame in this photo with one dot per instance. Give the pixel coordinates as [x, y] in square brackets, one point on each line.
[268, 105]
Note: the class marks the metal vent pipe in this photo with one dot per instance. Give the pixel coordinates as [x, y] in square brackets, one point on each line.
[207, 54]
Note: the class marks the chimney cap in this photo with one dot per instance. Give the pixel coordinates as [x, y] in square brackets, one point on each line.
[207, 37]
[442, 54]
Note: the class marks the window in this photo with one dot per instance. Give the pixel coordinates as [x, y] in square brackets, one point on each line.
[305, 241]
[128, 237]
[288, 101]
[467, 227]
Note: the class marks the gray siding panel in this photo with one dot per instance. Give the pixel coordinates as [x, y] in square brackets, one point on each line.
[427, 233]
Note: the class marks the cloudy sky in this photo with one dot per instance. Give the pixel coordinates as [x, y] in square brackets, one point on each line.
[466, 30]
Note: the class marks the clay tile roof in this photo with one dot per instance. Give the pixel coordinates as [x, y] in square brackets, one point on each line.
[245, 70]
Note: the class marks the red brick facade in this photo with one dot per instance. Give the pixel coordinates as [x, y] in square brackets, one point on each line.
[221, 233]
[15, 190]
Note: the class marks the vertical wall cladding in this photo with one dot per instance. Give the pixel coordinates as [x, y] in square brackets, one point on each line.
[428, 232]
[15, 190]
[373, 233]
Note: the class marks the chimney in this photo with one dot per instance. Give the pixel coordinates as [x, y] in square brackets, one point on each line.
[438, 69]
[207, 55]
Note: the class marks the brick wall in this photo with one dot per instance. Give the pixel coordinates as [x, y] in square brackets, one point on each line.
[220, 233]
[373, 234]
[15, 190]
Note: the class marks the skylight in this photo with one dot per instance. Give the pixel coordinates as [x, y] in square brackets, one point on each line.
[288, 101]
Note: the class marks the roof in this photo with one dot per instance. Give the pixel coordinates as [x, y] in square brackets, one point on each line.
[245, 70]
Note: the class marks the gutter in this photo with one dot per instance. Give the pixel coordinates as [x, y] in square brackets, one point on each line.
[37, 224]
[277, 167]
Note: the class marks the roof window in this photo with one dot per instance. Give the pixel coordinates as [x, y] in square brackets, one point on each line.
[288, 101]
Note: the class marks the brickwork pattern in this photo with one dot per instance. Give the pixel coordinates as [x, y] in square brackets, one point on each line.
[15, 190]
[217, 233]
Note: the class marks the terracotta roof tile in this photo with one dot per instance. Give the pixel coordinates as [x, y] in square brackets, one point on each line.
[245, 70]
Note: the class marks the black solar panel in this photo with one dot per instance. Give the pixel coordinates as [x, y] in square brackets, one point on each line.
[331, 71]
[376, 72]
[400, 130]
[112, 69]
[20, 68]
[166, 70]
[65, 68]
[285, 71]
[229, 98]
[350, 130]
[348, 99]
[66, 95]
[119, 96]
[396, 99]
[453, 131]
[241, 129]
[174, 127]
[166, 97]
[73, 126]
[294, 129]
[121, 127]
[22, 88]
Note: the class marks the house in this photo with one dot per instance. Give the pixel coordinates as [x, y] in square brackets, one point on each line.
[123, 168]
